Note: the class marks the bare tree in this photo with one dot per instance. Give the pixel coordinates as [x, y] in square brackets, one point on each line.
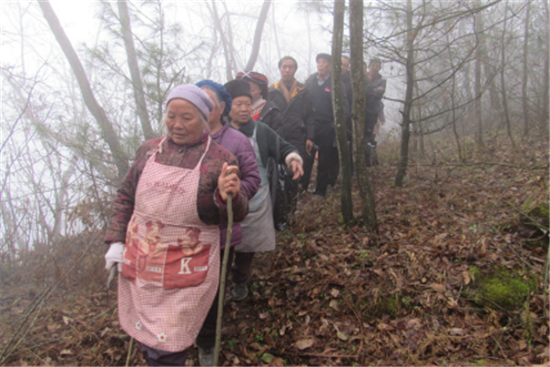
[503, 79]
[108, 132]
[338, 108]
[546, 84]
[229, 59]
[405, 132]
[358, 113]
[477, 78]
[141, 104]
[258, 36]
[524, 97]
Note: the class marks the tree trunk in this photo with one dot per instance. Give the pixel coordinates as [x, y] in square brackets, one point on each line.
[405, 129]
[226, 52]
[338, 107]
[137, 84]
[477, 82]
[503, 79]
[417, 121]
[231, 49]
[258, 36]
[461, 156]
[107, 130]
[546, 82]
[525, 71]
[358, 114]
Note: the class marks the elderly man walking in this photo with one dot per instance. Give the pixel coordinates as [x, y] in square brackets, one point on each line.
[319, 86]
[298, 128]
[375, 89]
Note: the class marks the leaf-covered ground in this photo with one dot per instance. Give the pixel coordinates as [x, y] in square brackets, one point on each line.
[413, 294]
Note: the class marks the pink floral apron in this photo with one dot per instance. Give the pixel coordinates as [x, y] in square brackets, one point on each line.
[170, 271]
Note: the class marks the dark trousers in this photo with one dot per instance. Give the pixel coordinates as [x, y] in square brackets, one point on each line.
[241, 267]
[207, 336]
[328, 167]
[308, 159]
[155, 357]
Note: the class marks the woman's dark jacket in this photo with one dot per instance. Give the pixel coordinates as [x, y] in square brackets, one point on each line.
[267, 141]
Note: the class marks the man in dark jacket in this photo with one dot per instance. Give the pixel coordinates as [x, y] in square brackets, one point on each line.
[319, 86]
[375, 89]
[346, 78]
[292, 99]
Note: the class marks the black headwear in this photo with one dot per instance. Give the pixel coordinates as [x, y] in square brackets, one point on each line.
[238, 88]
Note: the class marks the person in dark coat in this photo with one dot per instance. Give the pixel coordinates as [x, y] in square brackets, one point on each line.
[257, 229]
[319, 86]
[263, 110]
[293, 101]
[375, 89]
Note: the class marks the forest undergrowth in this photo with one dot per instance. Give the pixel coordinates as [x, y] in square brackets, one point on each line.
[456, 275]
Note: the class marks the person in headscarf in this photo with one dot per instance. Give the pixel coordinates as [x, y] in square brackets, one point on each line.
[174, 196]
[263, 110]
[258, 230]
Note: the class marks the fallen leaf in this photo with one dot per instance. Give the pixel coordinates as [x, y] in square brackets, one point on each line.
[342, 336]
[105, 331]
[333, 304]
[264, 315]
[304, 343]
[334, 292]
[52, 327]
[456, 331]
[466, 277]
[277, 362]
[266, 357]
[413, 323]
[382, 326]
[438, 287]
[66, 352]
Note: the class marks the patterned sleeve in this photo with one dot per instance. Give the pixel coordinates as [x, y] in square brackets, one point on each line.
[209, 204]
[123, 207]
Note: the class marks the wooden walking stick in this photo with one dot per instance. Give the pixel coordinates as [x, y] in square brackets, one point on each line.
[221, 294]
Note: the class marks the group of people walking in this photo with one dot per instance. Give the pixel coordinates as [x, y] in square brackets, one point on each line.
[168, 229]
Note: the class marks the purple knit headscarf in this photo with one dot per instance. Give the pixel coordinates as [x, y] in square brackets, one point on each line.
[193, 94]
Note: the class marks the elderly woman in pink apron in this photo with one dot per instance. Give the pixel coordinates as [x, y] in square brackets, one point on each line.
[258, 231]
[164, 230]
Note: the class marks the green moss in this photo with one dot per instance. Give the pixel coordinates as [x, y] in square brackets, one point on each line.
[474, 272]
[538, 216]
[385, 306]
[501, 289]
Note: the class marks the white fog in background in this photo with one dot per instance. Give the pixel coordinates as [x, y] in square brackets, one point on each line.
[299, 33]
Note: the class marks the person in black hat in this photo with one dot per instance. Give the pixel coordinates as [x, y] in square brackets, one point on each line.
[319, 86]
[262, 109]
[258, 232]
